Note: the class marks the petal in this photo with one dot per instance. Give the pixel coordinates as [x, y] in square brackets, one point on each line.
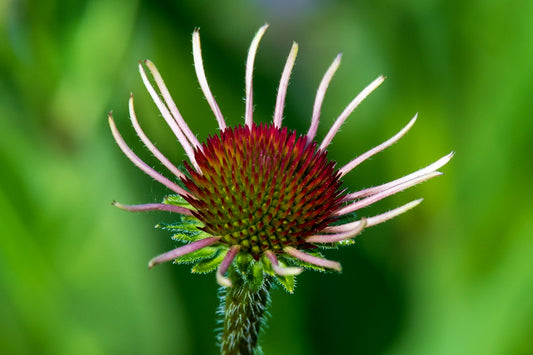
[248, 116]
[385, 193]
[312, 259]
[224, 265]
[345, 169]
[331, 238]
[283, 84]
[186, 249]
[321, 92]
[141, 164]
[349, 109]
[153, 207]
[200, 74]
[282, 271]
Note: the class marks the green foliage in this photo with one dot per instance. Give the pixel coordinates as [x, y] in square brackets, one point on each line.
[309, 266]
[347, 218]
[287, 282]
[185, 229]
[204, 253]
[209, 265]
[177, 200]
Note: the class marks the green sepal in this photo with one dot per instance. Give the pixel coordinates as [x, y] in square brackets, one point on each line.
[177, 200]
[336, 245]
[209, 265]
[344, 219]
[251, 270]
[346, 242]
[309, 266]
[206, 252]
[256, 275]
[287, 282]
[185, 229]
[327, 246]
[347, 218]
[190, 237]
[242, 261]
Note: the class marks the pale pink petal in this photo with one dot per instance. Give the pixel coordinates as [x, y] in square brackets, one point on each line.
[282, 271]
[171, 105]
[168, 118]
[372, 221]
[154, 207]
[348, 167]
[283, 84]
[200, 74]
[141, 164]
[331, 238]
[148, 143]
[248, 116]
[381, 195]
[224, 265]
[186, 249]
[376, 189]
[312, 259]
[349, 109]
[321, 92]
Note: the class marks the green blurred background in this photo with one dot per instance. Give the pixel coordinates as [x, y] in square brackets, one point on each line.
[454, 276]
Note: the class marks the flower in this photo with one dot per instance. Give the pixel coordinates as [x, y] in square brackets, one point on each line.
[261, 193]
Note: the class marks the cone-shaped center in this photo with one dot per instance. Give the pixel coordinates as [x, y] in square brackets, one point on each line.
[263, 188]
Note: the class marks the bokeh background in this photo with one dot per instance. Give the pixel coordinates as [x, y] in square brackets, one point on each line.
[454, 276]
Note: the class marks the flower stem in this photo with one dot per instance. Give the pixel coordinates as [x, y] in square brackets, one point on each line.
[243, 306]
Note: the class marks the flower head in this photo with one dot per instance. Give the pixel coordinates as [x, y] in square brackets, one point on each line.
[260, 194]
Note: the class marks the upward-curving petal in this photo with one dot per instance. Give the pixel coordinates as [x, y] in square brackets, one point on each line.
[148, 143]
[249, 111]
[348, 167]
[202, 80]
[349, 109]
[283, 84]
[321, 92]
[141, 164]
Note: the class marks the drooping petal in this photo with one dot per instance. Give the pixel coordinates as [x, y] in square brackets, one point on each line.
[385, 193]
[321, 92]
[148, 143]
[168, 117]
[171, 105]
[349, 109]
[376, 189]
[200, 74]
[283, 84]
[224, 265]
[141, 164]
[154, 207]
[313, 259]
[282, 271]
[348, 167]
[248, 116]
[331, 238]
[186, 249]
[372, 221]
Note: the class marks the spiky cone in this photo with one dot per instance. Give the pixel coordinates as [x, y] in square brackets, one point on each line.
[257, 202]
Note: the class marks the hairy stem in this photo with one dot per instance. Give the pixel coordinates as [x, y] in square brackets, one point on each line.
[243, 307]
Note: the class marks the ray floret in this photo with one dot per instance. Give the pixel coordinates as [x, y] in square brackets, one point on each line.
[202, 80]
[249, 101]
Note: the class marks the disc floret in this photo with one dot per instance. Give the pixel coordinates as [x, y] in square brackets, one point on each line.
[263, 188]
